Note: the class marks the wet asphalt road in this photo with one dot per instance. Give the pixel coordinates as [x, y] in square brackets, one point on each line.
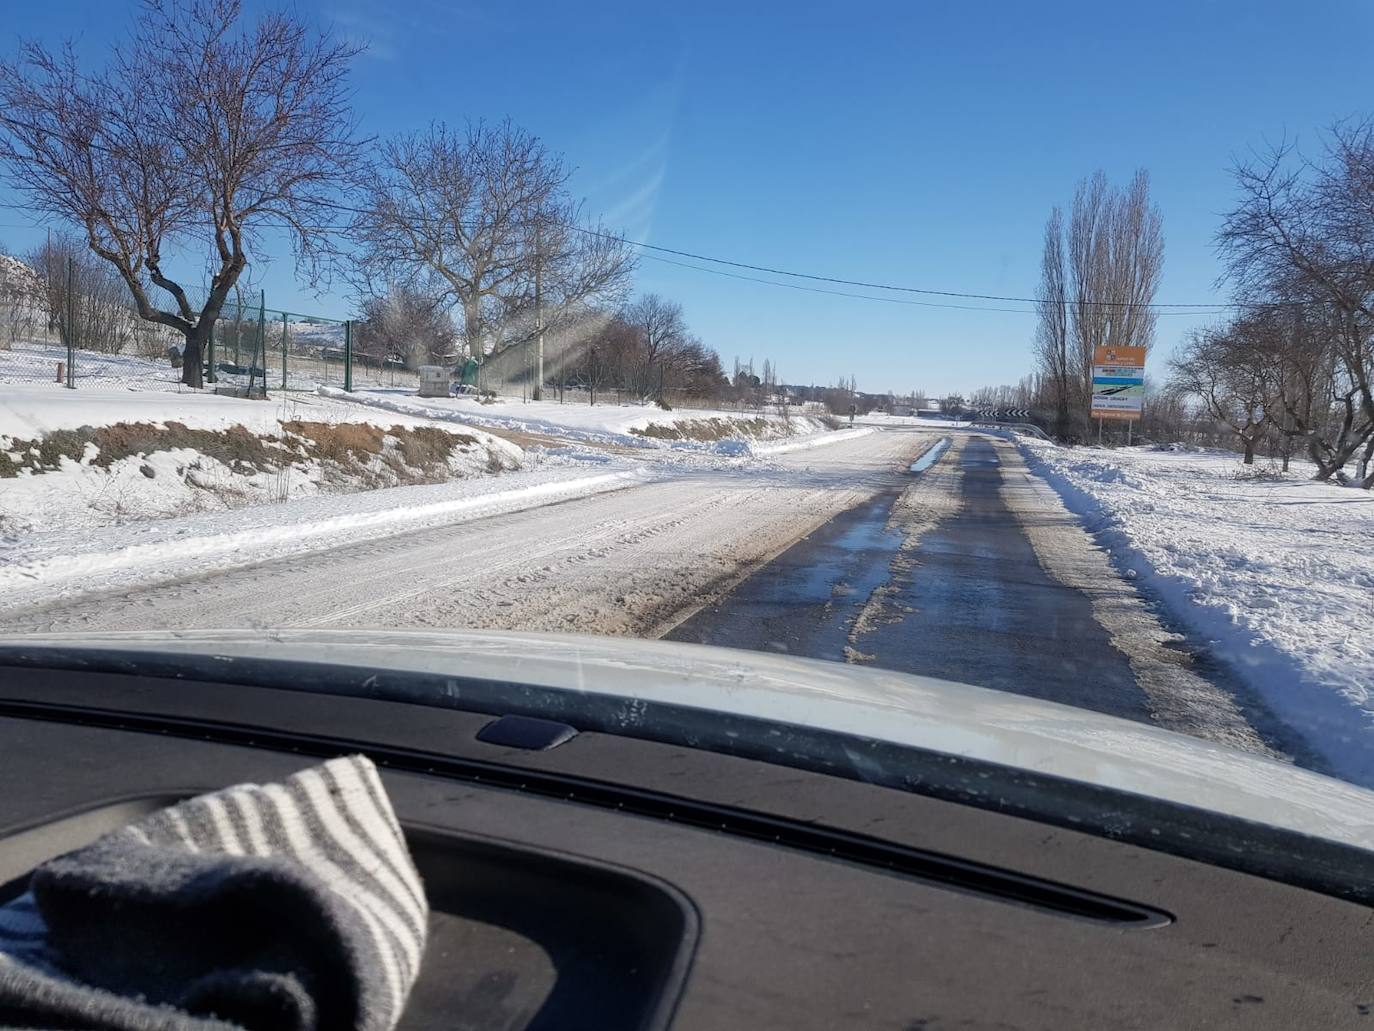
[975, 606]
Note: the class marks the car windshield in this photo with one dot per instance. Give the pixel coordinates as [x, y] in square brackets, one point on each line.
[1027, 349]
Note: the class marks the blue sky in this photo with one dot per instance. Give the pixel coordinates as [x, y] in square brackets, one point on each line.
[911, 143]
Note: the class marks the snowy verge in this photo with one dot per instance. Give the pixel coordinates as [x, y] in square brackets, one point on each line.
[30, 410]
[60, 566]
[75, 461]
[1272, 570]
[600, 424]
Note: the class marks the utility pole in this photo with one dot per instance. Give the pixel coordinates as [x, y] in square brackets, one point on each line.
[539, 306]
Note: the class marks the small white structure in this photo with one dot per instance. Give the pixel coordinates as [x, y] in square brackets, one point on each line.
[433, 381]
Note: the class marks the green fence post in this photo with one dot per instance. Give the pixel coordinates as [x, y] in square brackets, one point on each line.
[348, 356]
[283, 350]
[210, 352]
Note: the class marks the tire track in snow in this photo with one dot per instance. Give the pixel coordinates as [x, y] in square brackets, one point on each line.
[619, 562]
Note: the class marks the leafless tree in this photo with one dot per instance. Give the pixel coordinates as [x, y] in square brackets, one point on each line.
[663, 339]
[1088, 278]
[198, 136]
[406, 326]
[1115, 261]
[85, 301]
[1304, 229]
[1052, 331]
[1223, 369]
[1294, 344]
[480, 217]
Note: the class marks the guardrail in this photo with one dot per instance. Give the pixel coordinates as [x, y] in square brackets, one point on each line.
[1022, 427]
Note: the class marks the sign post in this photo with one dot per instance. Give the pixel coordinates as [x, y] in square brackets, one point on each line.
[1118, 385]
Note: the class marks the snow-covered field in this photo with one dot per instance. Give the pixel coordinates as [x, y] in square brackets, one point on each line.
[1275, 571]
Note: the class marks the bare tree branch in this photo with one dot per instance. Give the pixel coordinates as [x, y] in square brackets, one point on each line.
[198, 135]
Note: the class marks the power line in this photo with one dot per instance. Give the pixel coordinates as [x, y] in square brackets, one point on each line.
[883, 286]
[870, 297]
[834, 293]
[1209, 305]
[1195, 309]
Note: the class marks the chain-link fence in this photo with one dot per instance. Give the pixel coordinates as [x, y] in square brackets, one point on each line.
[253, 350]
[82, 344]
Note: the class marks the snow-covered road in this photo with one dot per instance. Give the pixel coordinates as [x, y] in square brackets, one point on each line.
[626, 561]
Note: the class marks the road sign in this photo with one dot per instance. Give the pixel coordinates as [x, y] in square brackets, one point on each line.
[1119, 356]
[1118, 382]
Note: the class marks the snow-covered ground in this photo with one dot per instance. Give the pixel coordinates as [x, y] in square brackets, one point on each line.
[48, 565]
[85, 524]
[1275, 571]
[36, 363]
[618, 561]
[883, 419]
[80, 494]
[31, 409]
[595, 424]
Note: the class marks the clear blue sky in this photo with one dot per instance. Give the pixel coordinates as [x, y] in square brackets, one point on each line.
[904, 142]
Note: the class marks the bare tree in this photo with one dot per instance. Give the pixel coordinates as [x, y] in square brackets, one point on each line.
[1052, 331]
[1223, 369]
[1304, 230]
[1088, 272]
[1136, 265]
[198, 136]
[84, 298]
[407, 326]
[481, 218]
[663, 339]
[1116, 259]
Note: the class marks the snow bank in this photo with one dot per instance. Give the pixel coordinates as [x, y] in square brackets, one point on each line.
[80, 494]
[1275, 571]
[603, 424]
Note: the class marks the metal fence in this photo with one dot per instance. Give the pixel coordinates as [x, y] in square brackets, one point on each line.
[254, 350]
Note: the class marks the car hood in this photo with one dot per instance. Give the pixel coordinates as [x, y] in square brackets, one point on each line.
[912, 711]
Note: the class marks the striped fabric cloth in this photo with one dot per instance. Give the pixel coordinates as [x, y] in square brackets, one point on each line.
[291, 905]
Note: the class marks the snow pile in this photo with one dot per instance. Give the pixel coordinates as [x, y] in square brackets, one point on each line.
[593, 424]
[1275, 571]
[74, 461]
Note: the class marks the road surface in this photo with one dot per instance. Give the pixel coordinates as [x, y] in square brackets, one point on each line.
[968, 570]
[977, 607]
[624, 562]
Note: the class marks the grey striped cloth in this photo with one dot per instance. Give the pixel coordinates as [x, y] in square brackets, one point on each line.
[283, 906]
